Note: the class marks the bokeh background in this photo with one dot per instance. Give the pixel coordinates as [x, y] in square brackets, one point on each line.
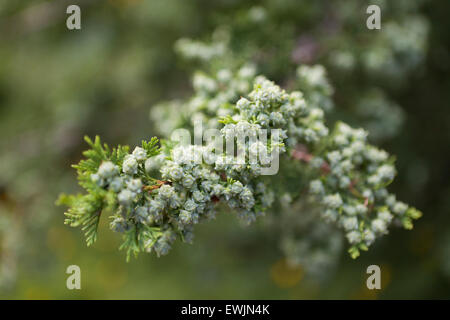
[57, 85]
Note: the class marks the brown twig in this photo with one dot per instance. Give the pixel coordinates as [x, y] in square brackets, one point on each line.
[158, 185]
[301, 153]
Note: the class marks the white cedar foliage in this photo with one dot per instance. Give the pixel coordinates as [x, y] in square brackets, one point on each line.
[155, 195]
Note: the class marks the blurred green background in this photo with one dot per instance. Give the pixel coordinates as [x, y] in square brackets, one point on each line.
[57, 85]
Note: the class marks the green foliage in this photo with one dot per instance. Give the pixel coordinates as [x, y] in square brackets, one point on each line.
[85, 210]
[151, 147]
[347, 177]
[138, 239]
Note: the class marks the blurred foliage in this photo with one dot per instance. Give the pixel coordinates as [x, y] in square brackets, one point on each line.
[57, 85]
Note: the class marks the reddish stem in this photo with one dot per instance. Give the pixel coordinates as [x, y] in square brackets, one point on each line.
[301, 153]
[158, 185]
